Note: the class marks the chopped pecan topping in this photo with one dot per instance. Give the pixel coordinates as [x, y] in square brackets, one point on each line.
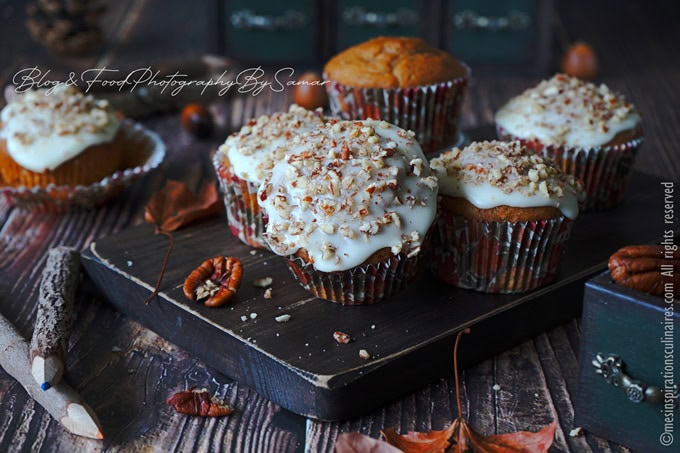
[216, 279]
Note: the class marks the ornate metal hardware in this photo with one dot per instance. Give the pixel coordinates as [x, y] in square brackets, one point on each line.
[610, 367]
[403, 17]
[245, 19]
[470, 20]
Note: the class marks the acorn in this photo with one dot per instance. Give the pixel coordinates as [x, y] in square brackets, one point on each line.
[197, 120]
[580, 61]
[309, 94]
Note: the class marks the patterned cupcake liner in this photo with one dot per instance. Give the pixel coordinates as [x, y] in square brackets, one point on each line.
[604, 171]
[240, 198]
[361, 285]
[498, 257]
[431, 111]
[144, 151]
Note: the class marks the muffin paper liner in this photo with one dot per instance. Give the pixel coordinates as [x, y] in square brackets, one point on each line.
[144, 151]
[498, 257]
[240, 199]
[604, 170]
[431, 111]
[361, 285]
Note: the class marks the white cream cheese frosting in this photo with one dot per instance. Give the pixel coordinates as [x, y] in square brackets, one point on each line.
[492, 174]
[347, 190]
[43, 129]
[253, 151]
[567, 111]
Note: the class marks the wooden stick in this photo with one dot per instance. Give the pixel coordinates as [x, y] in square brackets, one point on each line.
[61, 401]
[53, 321]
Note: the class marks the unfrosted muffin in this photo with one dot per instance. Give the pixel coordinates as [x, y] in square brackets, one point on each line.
[245, 159]
[590, 131]
[505, 216]
[58, 136]
[350, 207]
[401, 80]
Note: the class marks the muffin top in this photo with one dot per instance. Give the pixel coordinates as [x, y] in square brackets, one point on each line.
[568, 111]
[492, 174]
[45, 128]
[348, 190]
[253, 151]
[393, 62]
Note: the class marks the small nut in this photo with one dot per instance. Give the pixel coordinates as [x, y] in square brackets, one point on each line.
[216, 279]
[341, 337]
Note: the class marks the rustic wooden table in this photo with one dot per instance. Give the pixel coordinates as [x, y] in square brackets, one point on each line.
[636, 44]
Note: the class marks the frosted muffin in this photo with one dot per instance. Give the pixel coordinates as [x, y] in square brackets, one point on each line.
[401, 80]
[245, 159]
[60, 137]
[590, 132]
[350, 207]
[505, 216]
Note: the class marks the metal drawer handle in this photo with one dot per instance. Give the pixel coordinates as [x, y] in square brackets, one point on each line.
[403, 17]
[610, 367]
[470, 20]
[246, 19]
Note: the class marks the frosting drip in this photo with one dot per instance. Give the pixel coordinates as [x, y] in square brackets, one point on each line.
[492, 174]
[42, 131]
[347, 190]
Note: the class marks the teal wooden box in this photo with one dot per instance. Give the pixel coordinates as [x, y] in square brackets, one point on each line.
[638, 329]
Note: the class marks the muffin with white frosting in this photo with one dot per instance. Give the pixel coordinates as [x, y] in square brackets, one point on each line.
[245, 159]
[590, 131]
[60, 137]
[350, 207]
[505, 215]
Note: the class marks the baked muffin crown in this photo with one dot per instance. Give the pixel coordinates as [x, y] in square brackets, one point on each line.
[256, 147]
[45, 128]
[493, 174]
[393, 62]
[568, 111]
[347, 190]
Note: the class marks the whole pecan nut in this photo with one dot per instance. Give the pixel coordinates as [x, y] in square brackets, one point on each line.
[216, 279]
[646, 268]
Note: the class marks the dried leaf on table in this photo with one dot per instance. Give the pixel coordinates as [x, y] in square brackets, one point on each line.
[175, 206]
[198, 402]
[459, 437]
[361, 443]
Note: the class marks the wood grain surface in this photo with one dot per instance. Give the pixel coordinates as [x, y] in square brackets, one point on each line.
[126, 372]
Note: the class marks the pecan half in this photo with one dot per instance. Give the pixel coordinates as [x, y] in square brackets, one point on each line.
[216, 279]
[198, 402]
[645, 268]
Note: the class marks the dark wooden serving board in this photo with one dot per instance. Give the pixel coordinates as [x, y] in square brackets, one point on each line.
[298, 364]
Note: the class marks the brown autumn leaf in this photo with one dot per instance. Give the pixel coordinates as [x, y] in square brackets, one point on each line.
[415, 442]
[459, 437]
[174, 206]
[361, 443]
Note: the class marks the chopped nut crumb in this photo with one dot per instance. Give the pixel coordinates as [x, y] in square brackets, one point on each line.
[341, 337]
[263, 282]
[364, 354]
[268, 293]
[282, 318]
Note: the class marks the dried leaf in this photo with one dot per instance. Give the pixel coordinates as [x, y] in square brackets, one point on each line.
[361, 443]
[461, 438]
[198, 402]
[519, 442]
[175, 205]
[414, 442]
